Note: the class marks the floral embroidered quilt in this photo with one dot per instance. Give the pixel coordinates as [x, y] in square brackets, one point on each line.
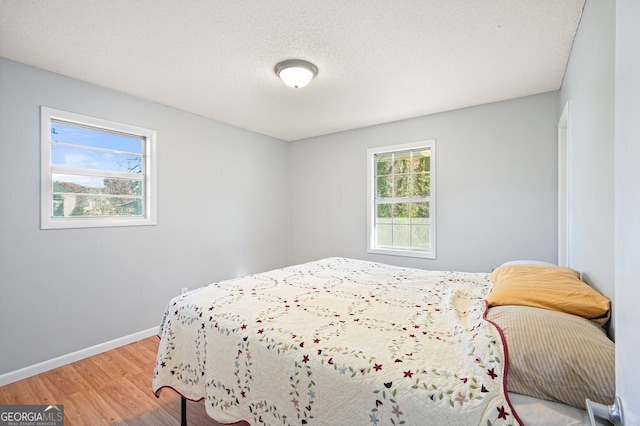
[338, 342]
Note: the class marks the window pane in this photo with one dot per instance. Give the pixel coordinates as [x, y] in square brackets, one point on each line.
[401, 163]
[383, 214]
[116, 186]
[384, 235]
[383, 164]
[384, 186]
[421, 185]
[78, 135]
[63, 183]
[420, 237]
[70, 205]
[96, 160]
[420, 213]
[401, 213]
[402, 236]
[422, 161]
[77, 184]
[402, 186]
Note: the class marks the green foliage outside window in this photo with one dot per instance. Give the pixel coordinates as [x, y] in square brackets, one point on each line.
[403, 188]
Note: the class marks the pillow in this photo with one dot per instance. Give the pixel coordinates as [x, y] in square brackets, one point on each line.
[550, 287]
[556, 356]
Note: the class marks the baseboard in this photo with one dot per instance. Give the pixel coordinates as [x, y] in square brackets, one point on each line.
[41, 367]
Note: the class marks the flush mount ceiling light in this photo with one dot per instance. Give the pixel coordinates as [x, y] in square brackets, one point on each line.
[296, 73]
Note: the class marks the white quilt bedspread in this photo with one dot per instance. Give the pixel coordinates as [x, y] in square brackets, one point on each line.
[338, 342]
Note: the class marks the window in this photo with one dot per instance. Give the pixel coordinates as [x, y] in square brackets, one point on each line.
[401, 194]
[95, 173]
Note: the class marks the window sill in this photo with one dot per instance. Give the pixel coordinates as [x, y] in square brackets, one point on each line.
[404, 253]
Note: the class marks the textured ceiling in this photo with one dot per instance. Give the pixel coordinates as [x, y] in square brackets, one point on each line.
[378, 61]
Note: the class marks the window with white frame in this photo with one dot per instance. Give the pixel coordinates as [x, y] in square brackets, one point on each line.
[401, 199]
[95, 172]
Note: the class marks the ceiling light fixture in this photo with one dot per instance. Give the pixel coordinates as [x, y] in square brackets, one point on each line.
[296, 73]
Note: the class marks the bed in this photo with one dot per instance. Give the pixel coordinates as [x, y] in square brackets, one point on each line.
[344, 341]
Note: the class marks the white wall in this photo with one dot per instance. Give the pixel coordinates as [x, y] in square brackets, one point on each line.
[496, 183]
[221, 213]
[589, 84]
[602, 82]
[627, 207]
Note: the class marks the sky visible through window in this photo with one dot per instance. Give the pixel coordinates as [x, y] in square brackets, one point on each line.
[93, 149]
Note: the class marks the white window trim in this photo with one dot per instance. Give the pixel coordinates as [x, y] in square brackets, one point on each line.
[371, 153]
[47, 221]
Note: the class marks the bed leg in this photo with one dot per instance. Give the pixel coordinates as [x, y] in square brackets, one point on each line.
[183, 413]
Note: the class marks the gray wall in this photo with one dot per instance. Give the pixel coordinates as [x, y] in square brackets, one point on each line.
[496, 186]
[221, 213]
[627, 206]
[602, 82]
[222, 208]
[589, 85]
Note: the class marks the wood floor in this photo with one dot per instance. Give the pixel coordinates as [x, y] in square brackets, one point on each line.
[112, 388]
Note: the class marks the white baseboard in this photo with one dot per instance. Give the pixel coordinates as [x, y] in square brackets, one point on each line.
[41, 367]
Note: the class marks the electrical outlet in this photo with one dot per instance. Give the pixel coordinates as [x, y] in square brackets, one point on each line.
[183, 290]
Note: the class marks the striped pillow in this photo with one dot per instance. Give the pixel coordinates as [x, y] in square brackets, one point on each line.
[556, 356]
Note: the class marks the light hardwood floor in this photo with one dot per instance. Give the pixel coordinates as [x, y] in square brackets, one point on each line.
[112, 388]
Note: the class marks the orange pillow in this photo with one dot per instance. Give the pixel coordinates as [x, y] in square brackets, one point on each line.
[549, 287]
